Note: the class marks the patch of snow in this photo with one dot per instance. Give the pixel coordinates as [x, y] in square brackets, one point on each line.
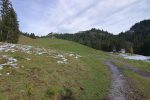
[64, 59]
[135, 57]
[1, 49]
[60, 56]
[14, 65]
[71, 55]
[12, 62]
[7, 47]
[78, 56]
[8, 73]
[4, 56]
[40, 53]
[22, 66]
[28, 59]
[1, 67]
[17, 67]
[60, 62]
[54, 56]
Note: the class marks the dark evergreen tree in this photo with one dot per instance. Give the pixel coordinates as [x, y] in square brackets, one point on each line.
[145, 48]
[1, 38]
[0, 21]
[5, 9]
[13, 34]
[32, 35]
[9, 24]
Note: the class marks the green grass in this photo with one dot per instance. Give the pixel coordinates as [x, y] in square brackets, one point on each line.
[140, 64]
[87, 78]
[139, 84]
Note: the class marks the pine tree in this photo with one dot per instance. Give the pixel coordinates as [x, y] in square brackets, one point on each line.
[9, 24]
[0, 29]
[5, 7]
[0, 24]
[32, 35]
[0, 21]
[13, 34]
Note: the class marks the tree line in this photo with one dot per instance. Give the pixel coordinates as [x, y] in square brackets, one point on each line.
[139, 36]
[9, 27]
[30, 35]
[97, 39]
[136, 40]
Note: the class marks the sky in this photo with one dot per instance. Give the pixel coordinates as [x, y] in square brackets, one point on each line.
[69, 16]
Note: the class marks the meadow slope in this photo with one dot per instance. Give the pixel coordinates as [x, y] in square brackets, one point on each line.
[55, 69]
[50, 69]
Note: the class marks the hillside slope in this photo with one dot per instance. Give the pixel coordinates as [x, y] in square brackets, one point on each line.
[55, 69]
[136, 39]
[94, 38]
[139, 36]
[44, 69]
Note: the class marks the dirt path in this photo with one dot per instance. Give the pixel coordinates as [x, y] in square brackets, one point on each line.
[118, 90]
[121, 88]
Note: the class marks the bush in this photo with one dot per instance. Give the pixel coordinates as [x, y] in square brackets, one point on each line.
[52, 91]
[29, 89]
[66, 94]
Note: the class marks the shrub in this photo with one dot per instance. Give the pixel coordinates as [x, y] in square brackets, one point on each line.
[52, 91]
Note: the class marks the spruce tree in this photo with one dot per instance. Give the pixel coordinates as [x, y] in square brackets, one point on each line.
[0, 24]
[5, 7]
[1, 38]
[32, 35]
[0, 29]
[13, 34]
[8, 24]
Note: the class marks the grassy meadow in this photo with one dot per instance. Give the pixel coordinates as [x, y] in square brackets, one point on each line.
[84, 77]
[42, 78]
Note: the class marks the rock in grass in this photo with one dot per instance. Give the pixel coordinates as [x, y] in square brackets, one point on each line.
[1, 67]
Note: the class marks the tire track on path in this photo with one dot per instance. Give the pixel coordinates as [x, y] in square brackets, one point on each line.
[120, 88]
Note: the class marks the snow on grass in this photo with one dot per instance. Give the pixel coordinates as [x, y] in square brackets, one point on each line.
[8, 74]
[75, 55]
[135, 57]
[22, 66]
[78, 56]
[12, 62]
[28, 59]
[1, 67]
[71, 55]
[27, 49]
[62, 58]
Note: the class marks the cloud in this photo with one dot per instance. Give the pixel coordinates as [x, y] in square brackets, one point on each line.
[76, 15]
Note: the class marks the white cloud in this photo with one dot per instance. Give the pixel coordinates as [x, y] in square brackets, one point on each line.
[77, 15]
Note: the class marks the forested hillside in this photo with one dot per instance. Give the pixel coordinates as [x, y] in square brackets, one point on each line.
[136, 40]
[139, 35]
[95, 38]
